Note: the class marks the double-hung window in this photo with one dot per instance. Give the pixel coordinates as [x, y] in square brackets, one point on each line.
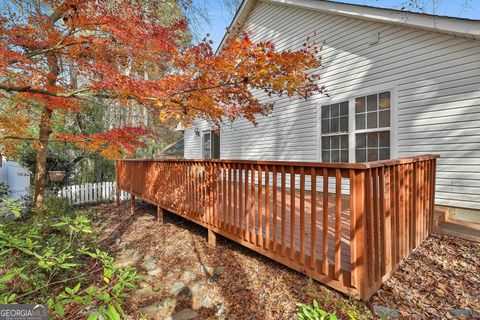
[357, 130]
[335, 132]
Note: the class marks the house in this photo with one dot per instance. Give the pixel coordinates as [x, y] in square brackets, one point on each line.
[399, 84]
[174, 150]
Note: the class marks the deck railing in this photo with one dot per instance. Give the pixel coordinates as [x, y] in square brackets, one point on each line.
[347, 225]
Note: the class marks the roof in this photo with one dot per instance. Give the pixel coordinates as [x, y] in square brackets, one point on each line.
[461, 27]
[174, 149]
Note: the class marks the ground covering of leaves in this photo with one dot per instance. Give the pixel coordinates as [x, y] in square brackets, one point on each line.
[186, 279]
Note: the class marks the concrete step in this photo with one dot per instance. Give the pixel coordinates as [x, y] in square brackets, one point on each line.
[460, 229]
[440, 215]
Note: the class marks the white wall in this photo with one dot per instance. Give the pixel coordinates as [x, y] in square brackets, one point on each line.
[193, 142]
[436, 78]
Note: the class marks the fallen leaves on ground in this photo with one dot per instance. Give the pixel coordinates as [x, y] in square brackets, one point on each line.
[442, 274]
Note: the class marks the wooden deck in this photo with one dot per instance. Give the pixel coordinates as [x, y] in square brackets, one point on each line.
[268, 228]
[346, 225]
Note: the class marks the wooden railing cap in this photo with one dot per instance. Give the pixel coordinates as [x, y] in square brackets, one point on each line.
[334, 165]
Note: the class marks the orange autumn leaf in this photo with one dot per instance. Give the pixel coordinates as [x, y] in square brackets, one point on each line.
[124, 54]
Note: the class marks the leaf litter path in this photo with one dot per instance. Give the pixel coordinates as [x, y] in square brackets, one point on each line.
[187, 279]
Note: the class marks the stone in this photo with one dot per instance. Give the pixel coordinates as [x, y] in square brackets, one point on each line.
[185, 314]
[171, 276]
[219, 270]
[116, 234]
[154, 272]
[188, 276]
[206, 302]
[196, 288]
[385, 311]
[159, 307]
[221, 310]
[126, 259]
[177, 288]
[462, 312]
[145, 292]
[149, 263]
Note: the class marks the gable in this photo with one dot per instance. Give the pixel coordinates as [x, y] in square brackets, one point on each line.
[459, 27]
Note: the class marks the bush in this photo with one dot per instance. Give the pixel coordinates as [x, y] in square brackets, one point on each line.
[345, 308]
[51, 258]
[313, 312]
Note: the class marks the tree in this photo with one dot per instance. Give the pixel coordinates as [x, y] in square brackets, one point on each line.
[111, 47]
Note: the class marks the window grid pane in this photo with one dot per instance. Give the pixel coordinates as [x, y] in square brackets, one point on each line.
[335, 118]
[335, 148]
[372, 112]
[372, 146]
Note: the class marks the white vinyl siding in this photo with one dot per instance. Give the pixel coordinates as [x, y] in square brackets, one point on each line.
[193, 141]
[436, 78]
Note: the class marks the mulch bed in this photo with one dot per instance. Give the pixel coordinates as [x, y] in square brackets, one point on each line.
[441, 275]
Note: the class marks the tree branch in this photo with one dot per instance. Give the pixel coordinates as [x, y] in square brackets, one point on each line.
[108, 95]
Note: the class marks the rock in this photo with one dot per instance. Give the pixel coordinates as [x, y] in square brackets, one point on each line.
[145, 292]
[188, 276]
[385, 311]
[159, 307]
[116, 234]
[177, 288]
[154, 272]
[170, 277]
[149, 263]
[185, 314]
[220, 310]
[206, 302]
[219, 270]
[126, 259]
[462, 312]
[197, 288]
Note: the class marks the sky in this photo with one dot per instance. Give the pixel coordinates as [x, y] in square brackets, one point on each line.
[220, 15]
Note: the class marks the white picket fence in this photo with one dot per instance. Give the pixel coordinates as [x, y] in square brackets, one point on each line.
[92, 193]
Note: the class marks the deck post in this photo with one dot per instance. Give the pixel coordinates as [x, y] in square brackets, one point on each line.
[117, 187]
[212, 238]
[160, 215]
[117, 195]
[132, 205]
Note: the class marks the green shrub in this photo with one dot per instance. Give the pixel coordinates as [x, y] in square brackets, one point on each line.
[52, 258]
[345, 308]
[313, 312]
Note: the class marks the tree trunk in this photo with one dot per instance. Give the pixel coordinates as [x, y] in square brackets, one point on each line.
[41, 160]
[45, 129]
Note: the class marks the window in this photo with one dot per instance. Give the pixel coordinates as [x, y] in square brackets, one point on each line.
[357, 130]
[335, 132]
[207, 145]
[210, 145]
[372, 127]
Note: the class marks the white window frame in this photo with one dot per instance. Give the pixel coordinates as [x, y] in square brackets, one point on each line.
[202, 138]
[392, 88]
[332, 134]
